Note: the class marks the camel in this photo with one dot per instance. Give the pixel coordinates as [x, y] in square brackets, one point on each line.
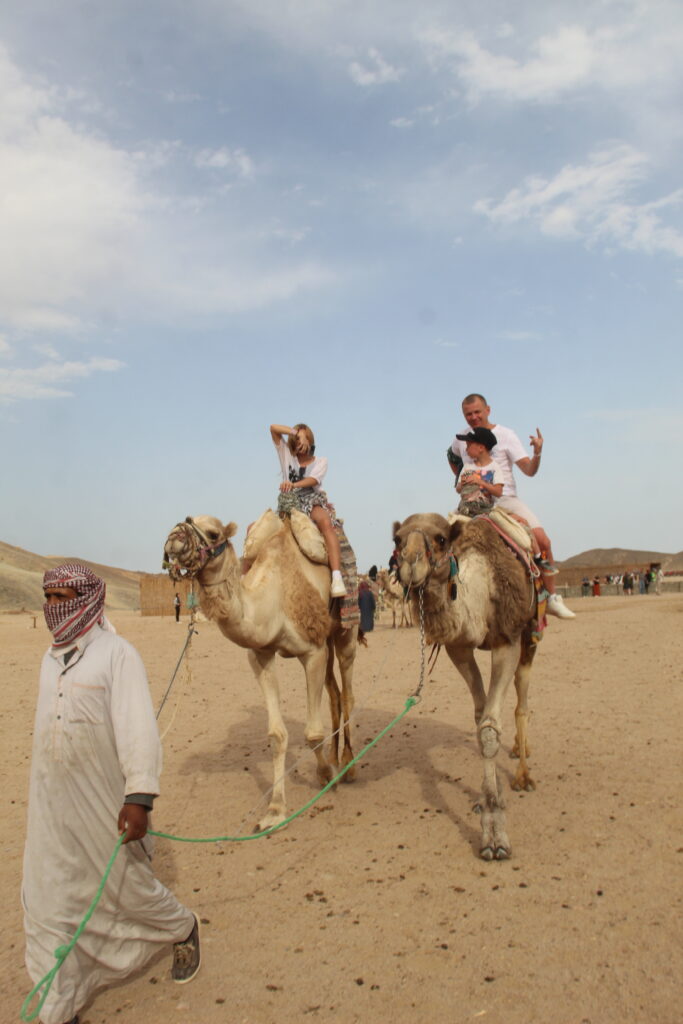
[280, 606]
[394, 598]
[476, 595]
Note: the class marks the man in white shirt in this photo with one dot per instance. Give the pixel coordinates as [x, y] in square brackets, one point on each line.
[510, 452]
[94, 775]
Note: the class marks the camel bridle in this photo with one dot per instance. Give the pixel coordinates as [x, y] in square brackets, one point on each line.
[435, 563]
[199, 547]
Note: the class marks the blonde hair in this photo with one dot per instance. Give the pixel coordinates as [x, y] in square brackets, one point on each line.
[291, 440]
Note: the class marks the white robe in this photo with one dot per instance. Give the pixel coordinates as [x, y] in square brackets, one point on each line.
[95, 740]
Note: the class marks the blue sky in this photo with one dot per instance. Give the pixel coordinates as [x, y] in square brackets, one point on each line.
[219, 215]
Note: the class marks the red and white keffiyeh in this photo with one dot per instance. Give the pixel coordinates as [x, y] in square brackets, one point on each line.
[67, 620]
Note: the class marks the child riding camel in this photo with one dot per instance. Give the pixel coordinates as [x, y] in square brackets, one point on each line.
[302, 475]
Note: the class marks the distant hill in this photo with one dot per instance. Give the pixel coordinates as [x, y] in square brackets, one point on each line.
[598, 557]
[21, 580]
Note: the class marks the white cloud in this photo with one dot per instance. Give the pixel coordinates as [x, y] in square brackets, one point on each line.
[43, 381]
[560, 62]
[401, 122]
[91, 231]
[376, 72]
[593, 202]
[225, 159]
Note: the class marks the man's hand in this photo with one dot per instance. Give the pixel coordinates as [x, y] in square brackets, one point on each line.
[286, 486]
[132, 821]
[537, 442]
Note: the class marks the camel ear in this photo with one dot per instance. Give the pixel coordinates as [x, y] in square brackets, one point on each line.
[456, 530]
[229, 531]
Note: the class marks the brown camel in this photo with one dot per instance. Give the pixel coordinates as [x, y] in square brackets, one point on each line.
[475, 594]
[281, 606]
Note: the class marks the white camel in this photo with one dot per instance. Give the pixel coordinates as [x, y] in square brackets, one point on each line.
[475, 594]
[394, 598]
[280, 606]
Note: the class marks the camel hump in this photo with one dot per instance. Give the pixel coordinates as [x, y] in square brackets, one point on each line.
[305, 532]
[265, 527]
[308, 537]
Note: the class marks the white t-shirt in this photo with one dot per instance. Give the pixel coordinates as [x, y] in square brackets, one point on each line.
[292, 469]
[491, 473]
[509, 450]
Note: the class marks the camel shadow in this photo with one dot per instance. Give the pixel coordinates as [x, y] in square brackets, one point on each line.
[417, 742]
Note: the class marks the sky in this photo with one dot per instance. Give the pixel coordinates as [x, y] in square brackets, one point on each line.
[236, 212]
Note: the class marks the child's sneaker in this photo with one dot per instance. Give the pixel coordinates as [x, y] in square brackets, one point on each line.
[337, 589]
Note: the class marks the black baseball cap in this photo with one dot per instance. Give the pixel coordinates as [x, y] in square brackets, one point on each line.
[482, 435]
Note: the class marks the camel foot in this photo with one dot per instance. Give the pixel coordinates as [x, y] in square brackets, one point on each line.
[523, 780]
[325, 774]
[495, 853]
[271, 819]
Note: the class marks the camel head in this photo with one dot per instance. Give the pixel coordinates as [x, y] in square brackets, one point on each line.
[423, 543]
[193, 543]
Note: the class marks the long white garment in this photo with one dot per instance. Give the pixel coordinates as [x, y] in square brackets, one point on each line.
[95, 740]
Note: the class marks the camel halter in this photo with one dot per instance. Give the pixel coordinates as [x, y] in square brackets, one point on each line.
[201, 550]
[436, 563]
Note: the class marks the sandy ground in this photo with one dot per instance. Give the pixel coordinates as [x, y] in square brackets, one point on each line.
[374, 905]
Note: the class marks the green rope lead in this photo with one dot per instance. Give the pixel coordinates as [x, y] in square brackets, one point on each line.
[62, 952]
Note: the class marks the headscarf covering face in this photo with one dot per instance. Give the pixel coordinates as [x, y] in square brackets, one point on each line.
[67, 620]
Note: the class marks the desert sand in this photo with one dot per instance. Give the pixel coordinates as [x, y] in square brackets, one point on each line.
[374, 905]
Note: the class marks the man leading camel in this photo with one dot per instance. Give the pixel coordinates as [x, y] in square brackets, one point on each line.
[94, 772]
[509, 452]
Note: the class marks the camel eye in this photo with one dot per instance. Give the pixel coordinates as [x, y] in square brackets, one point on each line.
[440, 541]
[212, 534]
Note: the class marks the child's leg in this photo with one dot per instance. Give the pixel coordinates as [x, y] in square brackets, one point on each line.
[321, 518]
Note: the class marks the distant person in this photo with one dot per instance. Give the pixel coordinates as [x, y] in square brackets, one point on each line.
[659, 576]
[393, 563]
[509, 453]
[94, 773]
[176, 605]
[628, 584]
[596, 586]
[645, 575]
[366, 603]
[585, 587]
[641, 582]
[372, 572]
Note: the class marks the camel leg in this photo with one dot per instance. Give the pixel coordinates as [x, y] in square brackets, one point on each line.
[463, 659]
[334, 696]
[522, 779]
[495, 843]
[345, 646]
[262, 666]
[315, 667]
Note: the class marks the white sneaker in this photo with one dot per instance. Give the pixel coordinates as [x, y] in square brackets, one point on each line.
[337, 589]
[556, 606]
